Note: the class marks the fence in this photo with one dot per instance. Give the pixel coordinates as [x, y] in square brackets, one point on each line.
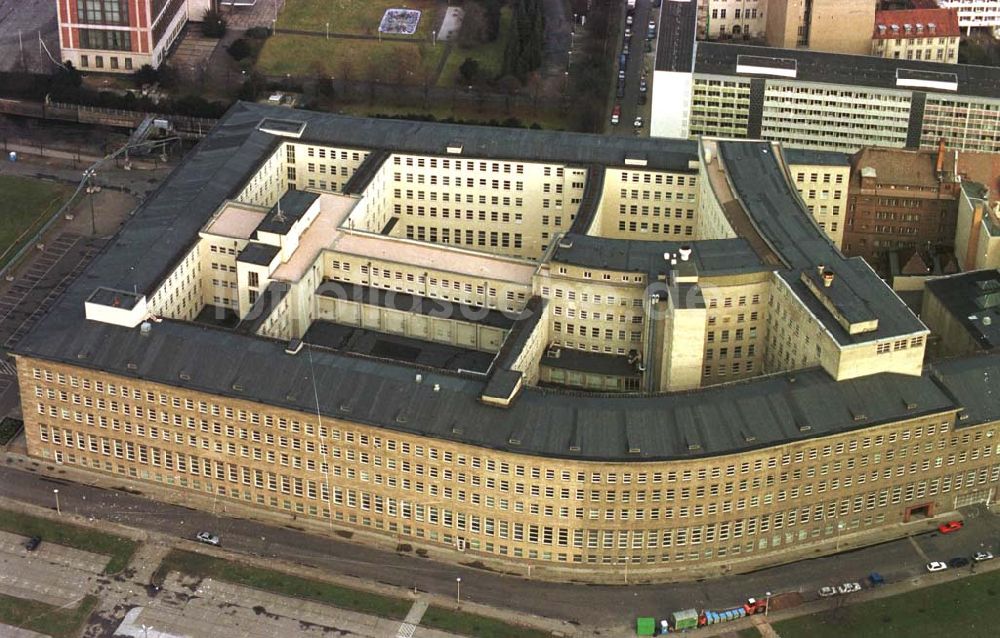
[186, 126]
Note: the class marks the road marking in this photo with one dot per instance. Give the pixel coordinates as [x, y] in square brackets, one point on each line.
[917, 547]
[405, 630]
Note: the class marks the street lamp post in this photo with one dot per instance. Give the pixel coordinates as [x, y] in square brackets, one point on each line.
[58, 509]
[89, 175]
[458, 590]
[767, 603]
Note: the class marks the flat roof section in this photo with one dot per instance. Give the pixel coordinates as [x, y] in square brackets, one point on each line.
[593, 362]
[382, 345]
[801, 156]
[849, 70]
[427, 306]
[434, 257]
[258, 254]
[236, 220]
[675, 44]
[289, 209]
[321, 233]
[779, 217]
[973, 300]
[712, 256]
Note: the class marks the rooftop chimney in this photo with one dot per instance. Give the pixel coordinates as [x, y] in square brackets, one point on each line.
[685, 252]
[827, 278]
[820, 269]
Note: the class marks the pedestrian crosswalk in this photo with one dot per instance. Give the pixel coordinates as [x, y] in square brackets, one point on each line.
[405, 630]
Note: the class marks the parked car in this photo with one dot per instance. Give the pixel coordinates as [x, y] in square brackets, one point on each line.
[876, 579]
[621, 88]
[981, 556]
[936, 566]
[621, 75]
[33, 543]
[642, 99]
[628, 32]
[616, 114]
[638, 122]
[642, 85]
[827, 591]
[849, 588]
[958, 561]
[629, 19]
[625, 48]
[950, 526]
[208, 538]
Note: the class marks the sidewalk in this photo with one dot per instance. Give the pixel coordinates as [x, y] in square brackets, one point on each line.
[143, 179]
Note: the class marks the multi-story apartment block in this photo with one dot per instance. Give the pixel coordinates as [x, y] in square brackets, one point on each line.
[120, 36]
[917, 34]
[825, 101]
[900, 199]
[971, 13]
[435, 391]
[838, 26]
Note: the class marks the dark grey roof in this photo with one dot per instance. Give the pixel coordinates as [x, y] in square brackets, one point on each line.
[818, 158]
[717, 420]
[780, 218]
[258, 254]
[596, 362]
[289, 209]
[851, 70]
[712, 256]
[484, 142]
[676, 38]
[437, 308]
[973, 300]
[972, 383]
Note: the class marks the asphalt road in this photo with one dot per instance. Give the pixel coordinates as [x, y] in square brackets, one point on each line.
[638, 61]
[588, 605]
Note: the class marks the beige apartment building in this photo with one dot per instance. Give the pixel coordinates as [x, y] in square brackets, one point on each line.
[917, 34]
[672, 402]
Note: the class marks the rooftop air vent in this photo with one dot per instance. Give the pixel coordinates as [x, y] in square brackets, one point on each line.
[685, 252]
[238, 387]
[131, 366]
[293, 346]
[184, 376]
[419, 378]
[566, 243]
[145, 328]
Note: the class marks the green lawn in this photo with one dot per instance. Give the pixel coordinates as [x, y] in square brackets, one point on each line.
[119, 549]
[460, 622]
[388, 61]
[963, 607]
[27, 204]
[288, 585]
[58, 622]
[489, 56]
[354, 16]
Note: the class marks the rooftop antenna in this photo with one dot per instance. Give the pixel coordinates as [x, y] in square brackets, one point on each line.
[279, 216]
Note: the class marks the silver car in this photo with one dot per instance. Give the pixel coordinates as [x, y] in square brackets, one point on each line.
[827, 591]
[208, 538]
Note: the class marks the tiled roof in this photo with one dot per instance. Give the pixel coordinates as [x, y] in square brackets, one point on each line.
[916, 23]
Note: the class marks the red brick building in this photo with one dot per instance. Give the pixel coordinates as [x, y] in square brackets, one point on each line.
[900, 198]
[120, 36]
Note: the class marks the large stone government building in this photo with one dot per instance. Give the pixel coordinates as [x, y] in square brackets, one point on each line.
[580, 353]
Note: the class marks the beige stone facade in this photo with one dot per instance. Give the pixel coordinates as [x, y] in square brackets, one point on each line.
[570, 519]
[837, 26]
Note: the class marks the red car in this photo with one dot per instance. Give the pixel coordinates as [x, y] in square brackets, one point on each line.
[950, 526]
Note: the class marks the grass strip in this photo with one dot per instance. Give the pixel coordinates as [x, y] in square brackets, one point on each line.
[965, 607]
[118, 549]
[58, 622]
[285, 584]
[460, 622]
